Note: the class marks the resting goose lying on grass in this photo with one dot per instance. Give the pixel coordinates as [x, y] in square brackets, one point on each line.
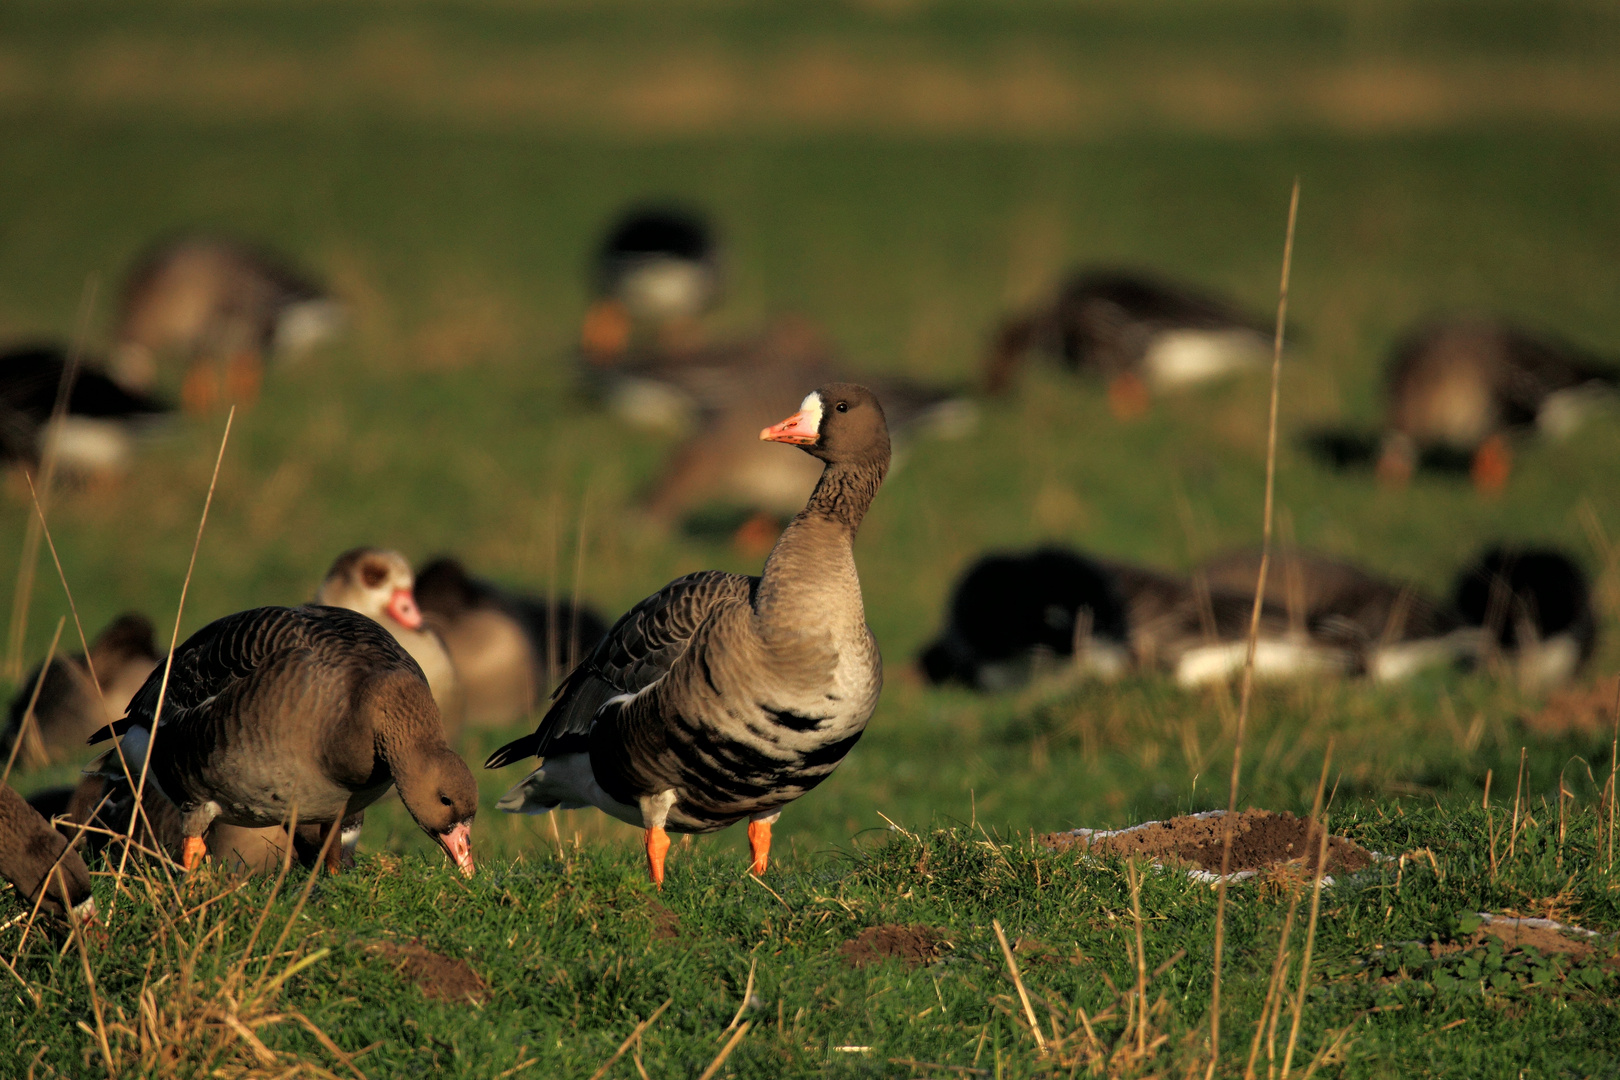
[316, 709]
[723, 697]
[94, 437]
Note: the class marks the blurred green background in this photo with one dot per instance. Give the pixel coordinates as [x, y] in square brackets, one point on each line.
[903, 172]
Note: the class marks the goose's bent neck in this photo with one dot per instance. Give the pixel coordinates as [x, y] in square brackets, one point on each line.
[809, 578]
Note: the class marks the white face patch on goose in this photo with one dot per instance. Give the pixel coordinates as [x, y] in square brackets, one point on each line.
[810, 407]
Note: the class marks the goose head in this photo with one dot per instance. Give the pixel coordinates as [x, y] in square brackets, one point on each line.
[840, 423]
[375, 582]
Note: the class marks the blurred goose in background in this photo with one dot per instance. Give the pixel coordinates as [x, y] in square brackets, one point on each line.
[507, 648]
[723, 697]
[656, 274]
[36, 859]
[97, 432]
[378, 583]
[1463, 386]
[1142, 335]
[1393, 629]
[72, 703]
[222, 307]
[1534, 606]
[314, 708]
[730, 392]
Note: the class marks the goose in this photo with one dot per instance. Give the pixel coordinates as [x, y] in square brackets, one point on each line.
[72, 703]
[1392, 628]
[1139, 333]
[36, 858]
[1534, 607]
[95, 436]
[1464, 386]
[723, 697]
[657, 272]
[1013, 616]
[378, 583]
[504, 645]
[224, 307]
[314, 708]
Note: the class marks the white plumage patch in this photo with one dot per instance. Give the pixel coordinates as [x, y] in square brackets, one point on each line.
[811, 408]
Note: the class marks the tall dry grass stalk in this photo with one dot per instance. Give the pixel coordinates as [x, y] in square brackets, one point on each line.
[1247, 694]
[174, 639]
[61, 575]
[22, 593]
[28, 727]
[1310, 945]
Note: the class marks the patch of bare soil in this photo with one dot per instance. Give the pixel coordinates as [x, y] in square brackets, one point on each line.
[1586, 710]
[911, 945]
[440, 977]
[1261, 840]
[1516, 935]
[666, 924]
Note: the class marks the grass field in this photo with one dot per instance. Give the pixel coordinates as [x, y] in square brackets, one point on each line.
[902, 173]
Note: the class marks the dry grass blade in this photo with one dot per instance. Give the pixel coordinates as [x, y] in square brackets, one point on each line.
[1310, 944]
[26, 728]
[1518, 793]
[1141, 960]
[1254, 635]
[22, 593]
[748, 992]
[174, 638]
[1614, 767]
[84, 642]
[636, 1034]
[1018, 981]
[725, 1052]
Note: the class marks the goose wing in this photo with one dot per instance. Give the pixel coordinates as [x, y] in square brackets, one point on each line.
[637, 653]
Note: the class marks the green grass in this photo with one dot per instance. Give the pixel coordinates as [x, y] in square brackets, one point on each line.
[459, 226]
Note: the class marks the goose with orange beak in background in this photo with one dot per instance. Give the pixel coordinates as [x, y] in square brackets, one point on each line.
[723, 697]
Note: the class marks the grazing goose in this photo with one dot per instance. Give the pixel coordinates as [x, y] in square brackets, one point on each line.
[657, 272]
[72, 704]
[1535, 608]
[1392, 629]
[223, 307]
[1013, 616]
[506, 647]
[1462, 387]
[32, 853]
[95, 435]
[1138, 333]
[317, 708]
[379, 584]
[722, 697]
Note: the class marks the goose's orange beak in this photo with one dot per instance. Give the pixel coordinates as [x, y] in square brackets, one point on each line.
[457, 844]
[403, 610]
[798, 429]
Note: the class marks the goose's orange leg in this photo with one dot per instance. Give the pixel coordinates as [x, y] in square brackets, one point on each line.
[1492, 463]
[657, 847]
[759, 846]
[1128, 396]
[605, 333]
[191, 856]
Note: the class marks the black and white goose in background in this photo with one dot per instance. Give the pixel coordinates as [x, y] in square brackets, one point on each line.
[97, 433]
[1465, 386]
[314, 709]
[223, 308]
[1534, 607]
[506, 647]
[36, 858]
[656, 273]
[723, 697]
[1137, 332]
[380, 585]
[79, 695]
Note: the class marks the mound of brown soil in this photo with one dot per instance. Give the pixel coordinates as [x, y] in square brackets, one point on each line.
[1586, 710]
[1260, 839]
[911, 945]
[442, 978]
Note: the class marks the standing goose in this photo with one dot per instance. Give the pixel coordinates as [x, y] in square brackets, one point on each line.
[313, 708]
[657, 272]
[96, 434]
[379, 585]
[31, 851]
[722, 697]
[1463, 386]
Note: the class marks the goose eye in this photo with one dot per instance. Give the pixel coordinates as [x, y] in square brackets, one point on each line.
[842, 406]
[445, 799]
